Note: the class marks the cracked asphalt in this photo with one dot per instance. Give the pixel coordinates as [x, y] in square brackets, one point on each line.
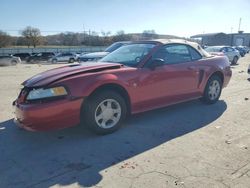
[185, 145]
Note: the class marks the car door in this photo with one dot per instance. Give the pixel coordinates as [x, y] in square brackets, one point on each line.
[229, 53]
[59, 57]
[233, 52]
[62, 58]
[65, 57]
[45, 56]
[38, 57]
[176, 80]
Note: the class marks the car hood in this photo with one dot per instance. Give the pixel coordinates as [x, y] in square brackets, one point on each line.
[56, 74]
[95, 55]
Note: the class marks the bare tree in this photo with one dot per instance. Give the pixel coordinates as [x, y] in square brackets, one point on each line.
[32, 35]
[149, 34]
[105, 34]
[121, 36]
[120, 32]
[5, 39]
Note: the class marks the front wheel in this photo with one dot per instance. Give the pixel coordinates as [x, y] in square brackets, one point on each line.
[213, 90]
[104, 112]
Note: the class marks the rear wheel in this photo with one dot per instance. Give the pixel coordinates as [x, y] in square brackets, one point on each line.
[235, 60]
[14, 62]
[54, 60]
[71, 60]
[32, 61]
[213, 90]
[104, 112]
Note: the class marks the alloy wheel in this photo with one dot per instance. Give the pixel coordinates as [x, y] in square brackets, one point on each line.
[214, 90]
[108, 113]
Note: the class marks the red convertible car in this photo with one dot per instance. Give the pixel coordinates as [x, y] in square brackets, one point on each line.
[137, 77]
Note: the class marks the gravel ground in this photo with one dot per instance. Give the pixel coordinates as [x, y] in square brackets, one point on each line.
[185, 145]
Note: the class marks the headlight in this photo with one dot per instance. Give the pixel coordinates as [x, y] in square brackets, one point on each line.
[46, 93]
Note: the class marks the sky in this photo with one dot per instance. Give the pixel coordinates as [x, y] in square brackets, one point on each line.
[174, 17]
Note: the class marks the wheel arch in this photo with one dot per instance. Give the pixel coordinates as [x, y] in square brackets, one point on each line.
[111, 87]
[219, 74]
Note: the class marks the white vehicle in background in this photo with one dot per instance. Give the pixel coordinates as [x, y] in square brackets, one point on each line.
[9, 60]
[64, 57]
[232, 54]
[95, 56]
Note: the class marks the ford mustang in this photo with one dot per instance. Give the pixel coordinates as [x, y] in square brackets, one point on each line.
[138, 77]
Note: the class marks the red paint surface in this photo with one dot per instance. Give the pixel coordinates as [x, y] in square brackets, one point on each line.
[147, 89]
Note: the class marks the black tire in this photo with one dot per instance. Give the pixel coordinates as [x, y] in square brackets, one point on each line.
[14, 62]
[32, 61]
[54, 60]
[235, 60]
[92, 108]
[71, 60]
[208, 97]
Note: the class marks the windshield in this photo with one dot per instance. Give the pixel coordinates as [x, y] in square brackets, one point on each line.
[213, 49]
[113, 47]
[129, 55]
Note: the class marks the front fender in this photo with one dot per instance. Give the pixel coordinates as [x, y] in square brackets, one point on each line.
[99, 81]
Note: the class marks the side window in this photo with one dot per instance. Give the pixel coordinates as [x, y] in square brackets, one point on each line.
[229, 49]
[194, 54]
[224, 49]
[177, 53]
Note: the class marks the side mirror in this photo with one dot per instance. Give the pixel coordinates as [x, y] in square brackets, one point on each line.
[157, 62]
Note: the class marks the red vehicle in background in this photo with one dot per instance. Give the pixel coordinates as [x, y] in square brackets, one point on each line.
[137, 77]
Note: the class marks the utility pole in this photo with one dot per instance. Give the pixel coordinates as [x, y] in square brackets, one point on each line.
[83, 33]
[232, 36]
[239, 25]
[89, 37]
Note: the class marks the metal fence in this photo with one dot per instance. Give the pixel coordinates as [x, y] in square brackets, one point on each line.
[7, 51]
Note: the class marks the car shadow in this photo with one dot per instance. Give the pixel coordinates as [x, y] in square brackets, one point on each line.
[75, 155]
[234, 65]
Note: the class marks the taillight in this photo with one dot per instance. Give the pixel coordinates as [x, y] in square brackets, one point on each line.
[22, 95]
